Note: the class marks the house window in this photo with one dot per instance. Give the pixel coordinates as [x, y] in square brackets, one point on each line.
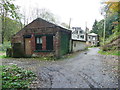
[38, 43]
[39, 40]
[76, 31]
[47, 45]
[89, 37]
[82, 36]
[93, 38]
[80, 32]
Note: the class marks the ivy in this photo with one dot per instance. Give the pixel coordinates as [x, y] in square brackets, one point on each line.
[16, 77]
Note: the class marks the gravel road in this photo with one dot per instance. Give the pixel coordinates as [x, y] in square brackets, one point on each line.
[87, 69]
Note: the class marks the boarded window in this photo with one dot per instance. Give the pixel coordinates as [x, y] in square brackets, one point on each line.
[38, 43]
[49, 42]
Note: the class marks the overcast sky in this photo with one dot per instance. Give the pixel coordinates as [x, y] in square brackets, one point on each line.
[80, 11]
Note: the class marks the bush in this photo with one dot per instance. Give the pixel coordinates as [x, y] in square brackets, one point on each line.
[3, 47]
[9, 52]
[115, 52]
[15, 77]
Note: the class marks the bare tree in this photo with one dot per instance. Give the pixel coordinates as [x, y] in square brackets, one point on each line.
[45, 14]
[65, 25]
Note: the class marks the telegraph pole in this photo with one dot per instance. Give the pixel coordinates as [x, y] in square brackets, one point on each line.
[104, 29]
[0, 31]
[69, 23]
[105, 24]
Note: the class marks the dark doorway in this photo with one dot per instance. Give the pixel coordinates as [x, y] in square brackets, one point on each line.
[49, 42]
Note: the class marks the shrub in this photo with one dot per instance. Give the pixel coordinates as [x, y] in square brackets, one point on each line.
[3, 47]
[9, 52]
[16, 77]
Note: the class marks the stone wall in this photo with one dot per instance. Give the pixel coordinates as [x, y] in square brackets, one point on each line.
[78, 45]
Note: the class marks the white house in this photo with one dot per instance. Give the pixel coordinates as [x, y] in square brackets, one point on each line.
[78, 39]
[92, 39]
[78, 34]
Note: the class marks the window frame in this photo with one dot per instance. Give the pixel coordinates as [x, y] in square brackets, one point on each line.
[38, 44]
[41, 50]
[82, 36]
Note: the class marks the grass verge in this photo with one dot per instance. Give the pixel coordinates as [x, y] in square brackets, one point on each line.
[3, 56]
[2, 51]
[117, 53]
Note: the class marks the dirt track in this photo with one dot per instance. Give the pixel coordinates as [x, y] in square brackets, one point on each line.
[86, 70]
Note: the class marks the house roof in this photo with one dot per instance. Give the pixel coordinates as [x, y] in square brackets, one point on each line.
[52, 25]
[92, 34]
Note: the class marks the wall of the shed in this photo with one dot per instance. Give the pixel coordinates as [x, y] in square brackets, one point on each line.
[64, 43]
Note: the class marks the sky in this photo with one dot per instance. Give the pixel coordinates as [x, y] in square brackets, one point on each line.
[81, 12]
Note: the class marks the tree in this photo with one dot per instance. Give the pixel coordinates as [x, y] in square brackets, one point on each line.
[111, 13]
[110, 23]
[7, 9]
[45, 14]
[112, 9]
[95, 27]
[113, 6]
[12, 27]
[65, 25]
[100, 25]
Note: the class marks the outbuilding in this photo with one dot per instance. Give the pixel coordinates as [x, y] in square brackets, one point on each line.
[41, 38]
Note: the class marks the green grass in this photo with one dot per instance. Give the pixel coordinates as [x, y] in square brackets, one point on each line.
[117, 53]
[16, 77]
[2, 51]
[3, 56]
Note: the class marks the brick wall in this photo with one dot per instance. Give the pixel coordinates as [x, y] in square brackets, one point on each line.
[38, 27]
[44, 43]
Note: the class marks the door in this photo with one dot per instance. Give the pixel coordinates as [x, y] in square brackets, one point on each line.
[28, 46]
[49, 42]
